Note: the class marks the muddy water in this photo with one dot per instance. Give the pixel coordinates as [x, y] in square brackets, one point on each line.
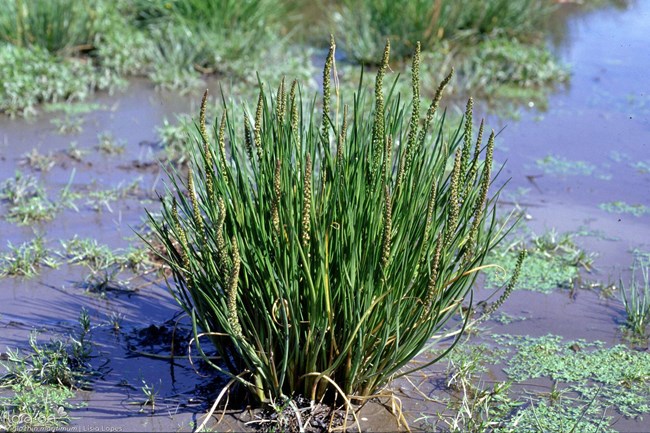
[602, 119]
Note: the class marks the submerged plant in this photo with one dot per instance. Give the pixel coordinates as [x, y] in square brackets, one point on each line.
[321, 251]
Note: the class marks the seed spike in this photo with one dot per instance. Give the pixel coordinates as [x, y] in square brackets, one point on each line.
[196, 213]
[378, 125]
[275, 215]
[388, 220]
[222, 256]
[233, 318]
[433, 279]
[222, 146]
[415, 111]
[434, 106]
[327, 72]
[387, 165]
[467, 136]
[509, 287]
[473, 169]
[454, 199]
[248, 137]
[341, 140]
[306, 210]
[202, 128]
[280, 104]
[294, 109]
[257, 133]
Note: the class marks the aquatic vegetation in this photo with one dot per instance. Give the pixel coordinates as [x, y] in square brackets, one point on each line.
[26, 259]
[173, 137]
[109, 145]
[68, 124]
[150, 393]
[554, 164]
[620, 207]
[506, 66]
[28, 202]
[102, 198]
[365, 25]
[636, 299]
[40, 382]
[194, 37]
[618, 376]
[480, 407]
[303, 249]
[642, 167]
[554, 261]
[73, 108]
[37, 161]
[99, 257]
[55, 25]
[506, 319]
[33, 76]
[592, 384]
[76, 153]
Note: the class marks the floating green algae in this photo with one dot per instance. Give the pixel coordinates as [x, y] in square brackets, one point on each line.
[616, 377]
[553, 262]
[593, 385]
[620, 207]
[553, 164]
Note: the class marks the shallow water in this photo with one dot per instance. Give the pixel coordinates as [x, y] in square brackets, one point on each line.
[602, 118]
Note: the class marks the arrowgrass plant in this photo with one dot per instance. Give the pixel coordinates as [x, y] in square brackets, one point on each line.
[366, 24]
[56, 25]
[636, 299]
[319, 249]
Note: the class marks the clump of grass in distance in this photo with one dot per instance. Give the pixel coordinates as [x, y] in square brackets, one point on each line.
[301, 245]
[56, 25]
[192, 37]
[636, 299]
[365, 25]
[509, 69]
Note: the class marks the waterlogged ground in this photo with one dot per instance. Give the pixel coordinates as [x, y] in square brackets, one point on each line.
[579, 177]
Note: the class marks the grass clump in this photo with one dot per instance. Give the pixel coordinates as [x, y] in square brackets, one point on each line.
[636, 299]
[364, 25]
[195, 37]
[55, 25]
[321, 250]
